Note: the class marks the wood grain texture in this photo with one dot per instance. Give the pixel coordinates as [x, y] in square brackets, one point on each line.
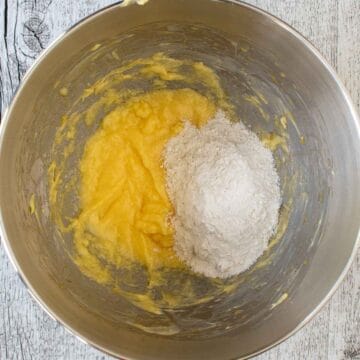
[26, 28]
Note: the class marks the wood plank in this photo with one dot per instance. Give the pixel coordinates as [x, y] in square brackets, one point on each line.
[344, 315]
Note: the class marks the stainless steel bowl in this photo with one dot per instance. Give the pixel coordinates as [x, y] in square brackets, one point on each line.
[256, 56]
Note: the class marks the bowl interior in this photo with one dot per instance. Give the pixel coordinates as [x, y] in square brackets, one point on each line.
[269, 74]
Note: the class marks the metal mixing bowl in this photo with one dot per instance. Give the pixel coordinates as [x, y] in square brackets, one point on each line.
[256, 56]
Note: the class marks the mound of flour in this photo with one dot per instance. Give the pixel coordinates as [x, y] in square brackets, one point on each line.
[225, 192]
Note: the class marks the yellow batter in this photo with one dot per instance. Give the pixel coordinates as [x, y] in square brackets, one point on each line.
[124, 205]
[110, 199]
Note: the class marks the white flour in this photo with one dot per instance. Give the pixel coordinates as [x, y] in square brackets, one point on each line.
[226, 196]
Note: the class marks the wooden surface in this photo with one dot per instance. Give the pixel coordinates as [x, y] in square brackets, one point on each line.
[27, 27]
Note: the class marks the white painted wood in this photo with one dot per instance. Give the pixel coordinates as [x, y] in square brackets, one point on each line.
[27, 27]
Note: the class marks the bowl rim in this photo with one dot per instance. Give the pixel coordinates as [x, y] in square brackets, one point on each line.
[6, 116]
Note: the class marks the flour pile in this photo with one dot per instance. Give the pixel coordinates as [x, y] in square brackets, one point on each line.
[226, 196]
